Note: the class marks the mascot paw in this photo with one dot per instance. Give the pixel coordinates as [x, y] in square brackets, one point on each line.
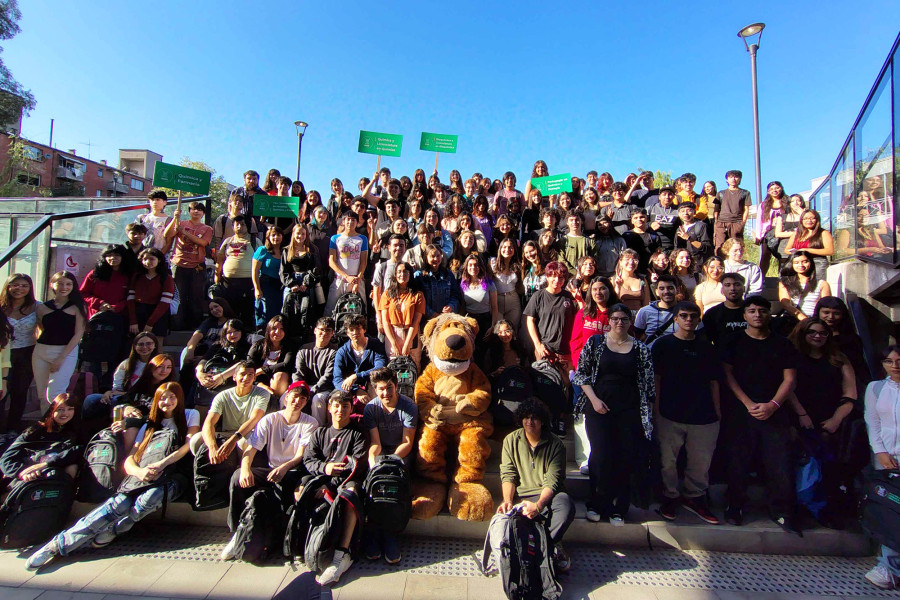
[470, 502]
[428, 499]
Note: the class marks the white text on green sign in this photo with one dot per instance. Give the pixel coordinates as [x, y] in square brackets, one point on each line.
[176, 177]
[382, 144]
[553, 184]
[438, 142]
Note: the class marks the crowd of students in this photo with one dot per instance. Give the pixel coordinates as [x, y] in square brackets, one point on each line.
[638, 298]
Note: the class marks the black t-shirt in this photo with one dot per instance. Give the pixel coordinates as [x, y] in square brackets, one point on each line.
[686, 367]
[758, 365]
[554, 315]
[819, 387]
[721, 323]
[731, 203]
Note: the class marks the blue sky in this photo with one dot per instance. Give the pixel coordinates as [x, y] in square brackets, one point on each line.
[611, 86]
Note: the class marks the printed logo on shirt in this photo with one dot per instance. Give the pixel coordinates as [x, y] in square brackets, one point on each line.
[237, 247]
[350, 249]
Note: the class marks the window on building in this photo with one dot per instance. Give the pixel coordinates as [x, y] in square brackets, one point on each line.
[33, 153]
[29, 179]
[137, 184]
[99, 194]
[100, 173]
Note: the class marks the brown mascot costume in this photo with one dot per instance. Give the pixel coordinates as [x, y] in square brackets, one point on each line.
[452, 395]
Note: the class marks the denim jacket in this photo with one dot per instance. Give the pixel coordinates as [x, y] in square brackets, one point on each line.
[440, 289]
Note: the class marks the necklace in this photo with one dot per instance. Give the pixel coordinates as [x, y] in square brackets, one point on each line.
[618, 342]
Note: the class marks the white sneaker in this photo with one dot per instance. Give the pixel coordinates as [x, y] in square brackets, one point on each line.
[617, 521]
[339, 565]
[880, 577]
[229, 549]
[45, 555]
[584, 469]
[104, 538]
[592, 516]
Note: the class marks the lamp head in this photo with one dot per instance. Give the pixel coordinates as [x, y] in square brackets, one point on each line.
[301, 127]
[750, 32]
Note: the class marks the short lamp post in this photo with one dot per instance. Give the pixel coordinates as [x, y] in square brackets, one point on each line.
[751, 34]
[301, 129]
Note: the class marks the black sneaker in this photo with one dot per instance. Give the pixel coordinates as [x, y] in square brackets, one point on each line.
[561, 559]
[668, 508]
[734, 515]
[560, 429]
[700, 507]
[789, 524]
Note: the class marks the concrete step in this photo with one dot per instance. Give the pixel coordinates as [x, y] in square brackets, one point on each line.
[642, 530]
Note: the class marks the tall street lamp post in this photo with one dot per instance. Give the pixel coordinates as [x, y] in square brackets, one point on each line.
[751, 34]
[301, 129]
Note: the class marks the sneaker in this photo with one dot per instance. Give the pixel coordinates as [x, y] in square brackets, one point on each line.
[700, 507]
[668, 508]
[560, 429]
[44, 556]
[229, 550]
[880, 577]
[617, 520]
[391, 550]
[561, 559]
[734, 515]
[103, 539]
[371, 547]
[584, 469]
[592, 515]
[339, 565]
[788, 524]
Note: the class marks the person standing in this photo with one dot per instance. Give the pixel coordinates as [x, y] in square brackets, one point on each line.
[724, 320]
[687, 413]
[761, 370]
[348, 256]
[18, 303]
[731, 209]
[191, 239]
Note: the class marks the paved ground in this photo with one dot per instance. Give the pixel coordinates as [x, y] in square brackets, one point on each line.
[176, 562]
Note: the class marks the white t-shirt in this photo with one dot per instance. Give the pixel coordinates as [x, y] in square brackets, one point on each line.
[349, 251]
[282, 439]
[190, 415]
[156, 227]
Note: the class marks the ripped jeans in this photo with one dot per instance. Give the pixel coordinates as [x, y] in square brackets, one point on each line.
[118, 514]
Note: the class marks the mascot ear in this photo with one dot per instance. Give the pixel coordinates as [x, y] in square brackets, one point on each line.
[429, 328]
[473, 324]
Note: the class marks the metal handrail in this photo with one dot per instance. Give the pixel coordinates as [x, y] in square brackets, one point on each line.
[8, 254]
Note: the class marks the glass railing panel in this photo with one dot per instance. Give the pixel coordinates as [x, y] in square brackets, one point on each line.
[843, 205]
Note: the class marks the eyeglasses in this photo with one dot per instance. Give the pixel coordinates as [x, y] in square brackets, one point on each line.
[815, 333]
[619, 320]
[889, 362]
[688, 316]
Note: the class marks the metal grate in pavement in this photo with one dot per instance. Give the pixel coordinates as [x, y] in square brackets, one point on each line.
[595, 565]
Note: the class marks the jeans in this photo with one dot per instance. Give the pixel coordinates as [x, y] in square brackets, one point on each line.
[699, 443]
[771, 440]
[118, 514]
[20, 377]
[509, 305]
[272, 297]
[94, 408]
[50, 385]
[561, 512]
[191, 284]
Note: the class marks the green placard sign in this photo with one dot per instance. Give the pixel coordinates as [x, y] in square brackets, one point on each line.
[382, 144]
[176, 177]
[275, 206]
[438, 142]
[553, 184]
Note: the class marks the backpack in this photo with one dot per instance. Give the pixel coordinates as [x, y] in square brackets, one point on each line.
[348, 304]
[407, 374]
[261, 528]
[211, 481]
[103, 472]
[525, 556]
[35, 510]
[509, 389]
[388, 502]
[164, 442]
[103, 340]
[881, 507]
[550, 387]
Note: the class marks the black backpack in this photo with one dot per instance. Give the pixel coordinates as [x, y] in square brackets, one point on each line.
[388, 501]
[164, 442]
[509, 389]
[881, 507]
[348, 304]
[103, 340]
[525, 556]
[261, 528]
[549, 385]
[35, 510]
[407, 374]
[211, 481]
[102, 473]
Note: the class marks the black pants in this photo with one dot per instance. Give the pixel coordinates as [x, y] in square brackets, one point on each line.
[191, 284]
[20, 378]
[240, 296]
[770, 442]
[238, 496]
[616, 446]
[561, 512]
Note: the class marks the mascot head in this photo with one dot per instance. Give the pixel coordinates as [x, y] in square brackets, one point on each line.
[450, 341]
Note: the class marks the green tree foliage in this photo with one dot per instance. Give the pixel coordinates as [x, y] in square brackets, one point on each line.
[218, 187]
[16, 99]
[16, 171]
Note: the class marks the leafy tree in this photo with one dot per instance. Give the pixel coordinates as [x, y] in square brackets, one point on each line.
[16, 99]
[218, 187]
[18, 165]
